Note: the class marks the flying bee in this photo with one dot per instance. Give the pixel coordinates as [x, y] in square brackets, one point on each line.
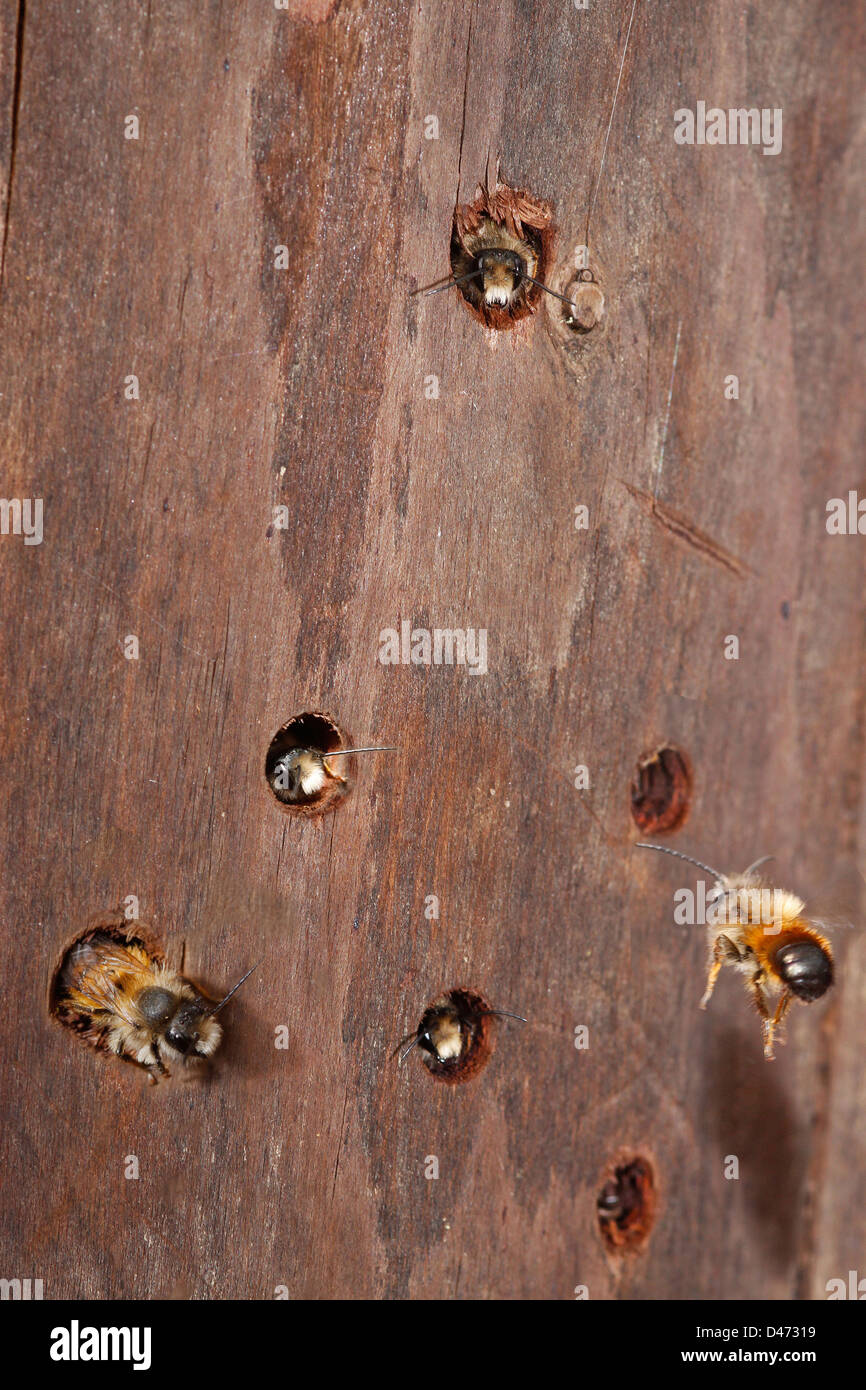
[764, 933]
[454, 1035]
[121, 997]
[301, 774]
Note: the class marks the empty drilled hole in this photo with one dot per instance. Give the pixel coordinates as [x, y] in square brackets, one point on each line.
[496, 242]
[586, 308]
[454, 1037]
[661, 792]
[297, 769]
[626, 1205]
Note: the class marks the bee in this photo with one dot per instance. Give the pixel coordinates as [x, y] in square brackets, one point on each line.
[626, 1204]
[454, 1035]
[120, 996]
[495, 254]
[764, 933]
[301, 774]
[494, 267]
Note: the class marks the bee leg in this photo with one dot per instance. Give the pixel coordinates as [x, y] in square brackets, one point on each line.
[156, 1067]
[768, 1023]
[331, 773]
[722, 947]
[784, 1004]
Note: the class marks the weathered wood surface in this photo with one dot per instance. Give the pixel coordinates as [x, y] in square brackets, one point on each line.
[305, 1167]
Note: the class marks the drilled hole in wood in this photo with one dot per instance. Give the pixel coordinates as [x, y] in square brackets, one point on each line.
[626, 1205]
[454, 1038]
[496, 241]
[586, 309]
[297, 768]
[661, 792]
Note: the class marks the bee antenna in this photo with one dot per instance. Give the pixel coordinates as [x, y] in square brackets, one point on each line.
[564, 297]
[663, 849]
[503, 1013]
[452, 280]
[236, 987]
[404, 1055]
[343, 752]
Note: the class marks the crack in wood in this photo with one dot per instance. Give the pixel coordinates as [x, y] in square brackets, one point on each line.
[463, 119]
[13, 140]
[684, 530]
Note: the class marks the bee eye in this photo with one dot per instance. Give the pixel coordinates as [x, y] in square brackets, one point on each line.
[156, 1004]
[805, 968]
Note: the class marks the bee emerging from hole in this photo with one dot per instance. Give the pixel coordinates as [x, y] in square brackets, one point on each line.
[121, 997]
[765, 934]
[453, 1035]
[496, 251]
[301, 774]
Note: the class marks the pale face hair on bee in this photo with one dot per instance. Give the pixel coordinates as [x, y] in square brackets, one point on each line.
[499, 264]
[766, 935]
[122, 998]
[301, 774]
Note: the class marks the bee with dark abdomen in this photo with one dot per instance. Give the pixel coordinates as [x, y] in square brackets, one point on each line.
[764, 933]
[117, 993]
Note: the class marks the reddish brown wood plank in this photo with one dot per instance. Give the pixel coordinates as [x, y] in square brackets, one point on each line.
[260, 387]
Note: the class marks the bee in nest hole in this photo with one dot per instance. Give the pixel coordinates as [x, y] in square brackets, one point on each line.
[302, 774]
[454, 1036]
[499, 244]
[302, 767]
[626, 1205]
[115, 990]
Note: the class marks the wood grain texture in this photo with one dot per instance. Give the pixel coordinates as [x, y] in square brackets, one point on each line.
[305, 387]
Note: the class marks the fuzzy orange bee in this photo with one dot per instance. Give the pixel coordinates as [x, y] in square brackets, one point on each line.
[763, 932]
[116, 992]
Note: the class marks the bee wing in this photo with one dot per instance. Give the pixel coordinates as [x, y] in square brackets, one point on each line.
[96, 975]
[841, 905]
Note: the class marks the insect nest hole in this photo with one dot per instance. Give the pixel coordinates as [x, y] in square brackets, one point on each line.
[297, 769]
[455, 1037]
[661, 791]
[626, 1204]
[501, 244]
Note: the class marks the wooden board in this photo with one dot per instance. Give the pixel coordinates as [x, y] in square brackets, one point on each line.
[304, 1168]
